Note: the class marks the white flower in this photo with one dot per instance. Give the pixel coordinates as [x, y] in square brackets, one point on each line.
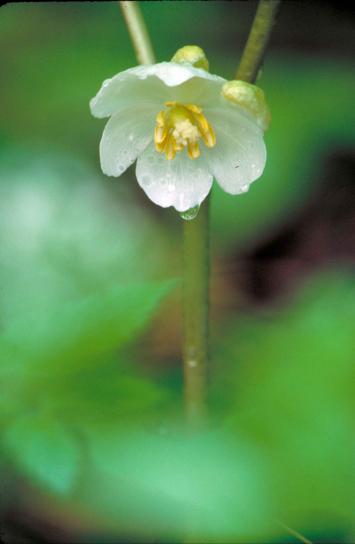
[185, 127]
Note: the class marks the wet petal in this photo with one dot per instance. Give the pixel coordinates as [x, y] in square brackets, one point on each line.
[181, 182]
[156, 84]
[126, 90]
[125, 136]
[239, 155]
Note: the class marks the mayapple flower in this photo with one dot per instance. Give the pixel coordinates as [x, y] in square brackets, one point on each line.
[185, 127]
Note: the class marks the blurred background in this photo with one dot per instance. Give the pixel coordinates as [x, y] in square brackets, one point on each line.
[91, 446]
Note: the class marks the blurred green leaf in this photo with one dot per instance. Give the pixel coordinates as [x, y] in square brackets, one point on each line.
[37, 350]
[65, 234]
[111, 393]
[45, 449]
[178, 485]
[291, 392]
[63, 370]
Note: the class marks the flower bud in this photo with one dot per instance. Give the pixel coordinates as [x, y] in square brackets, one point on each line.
[193, 55]
[250, 97]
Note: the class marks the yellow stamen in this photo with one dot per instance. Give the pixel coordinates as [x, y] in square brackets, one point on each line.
[160, 134]
[193, 108]
[161, 119]
[182, 125]
[193, 150]
[170, 149]
[209, 136]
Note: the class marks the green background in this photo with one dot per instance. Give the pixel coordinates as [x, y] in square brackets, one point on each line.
[92, 447]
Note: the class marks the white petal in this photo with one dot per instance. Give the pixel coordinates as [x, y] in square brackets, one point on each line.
[239, 155]
[181, 182]
[174, 73]
[126, 90]
[155, 83]
[125, 136]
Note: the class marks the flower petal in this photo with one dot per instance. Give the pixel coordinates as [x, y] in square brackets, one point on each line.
[239, 155]
[155, 83]
[126, 90]
[125, 136]
[181, 182]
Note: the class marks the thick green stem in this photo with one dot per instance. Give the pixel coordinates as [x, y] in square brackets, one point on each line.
[258, 39]
[138, 32]
[195, 309]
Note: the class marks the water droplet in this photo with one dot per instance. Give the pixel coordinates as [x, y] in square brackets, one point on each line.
[131, 137]
[190, 214]
[244, 188]
[171, 187]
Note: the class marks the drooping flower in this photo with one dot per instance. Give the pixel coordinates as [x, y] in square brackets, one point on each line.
[185, 127]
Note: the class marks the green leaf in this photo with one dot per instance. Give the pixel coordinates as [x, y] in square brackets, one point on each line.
[111, 393]
[45, 450]
[64, 234]
[291, 392]
[36, 351]
[173, 484]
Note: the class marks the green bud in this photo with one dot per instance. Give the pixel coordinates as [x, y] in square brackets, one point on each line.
[193, 55]
[250, 97]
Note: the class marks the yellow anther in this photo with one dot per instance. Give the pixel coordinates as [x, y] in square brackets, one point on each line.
[193, 108]
[209, 136]
[160, 134]
[193, 150]
[182, 125]
[161, 119]
[170, 149]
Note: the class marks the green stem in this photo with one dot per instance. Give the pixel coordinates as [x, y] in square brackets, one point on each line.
[196, 231]
[138, 32]
[258, 39]
[195, 311]
[196, 245]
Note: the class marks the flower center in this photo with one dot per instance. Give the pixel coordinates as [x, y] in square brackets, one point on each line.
[182, 125]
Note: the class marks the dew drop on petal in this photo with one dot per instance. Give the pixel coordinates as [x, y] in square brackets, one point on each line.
[190, 214]
[244, 188]
[171, 187]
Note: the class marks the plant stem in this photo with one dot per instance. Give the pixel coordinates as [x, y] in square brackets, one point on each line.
[196, 245]
[196, 231]
[195, 314]
[258, 39]
[138, 32]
